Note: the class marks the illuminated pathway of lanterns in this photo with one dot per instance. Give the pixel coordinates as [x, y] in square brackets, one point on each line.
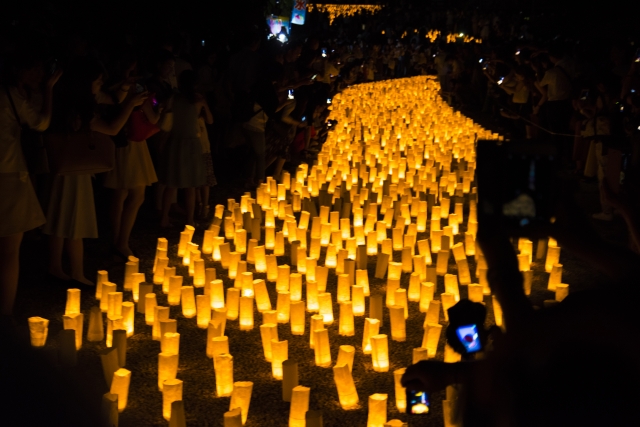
[313, 297]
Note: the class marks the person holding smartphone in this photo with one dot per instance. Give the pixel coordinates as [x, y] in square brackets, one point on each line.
[536, 372]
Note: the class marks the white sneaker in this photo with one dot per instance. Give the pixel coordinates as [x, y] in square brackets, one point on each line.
[602, 216]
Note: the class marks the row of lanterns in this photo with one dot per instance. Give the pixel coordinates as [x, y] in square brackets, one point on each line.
[398, 165]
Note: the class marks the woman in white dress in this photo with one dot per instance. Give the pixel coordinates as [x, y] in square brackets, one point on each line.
[133, 172]
[19, 207]
[71, 214]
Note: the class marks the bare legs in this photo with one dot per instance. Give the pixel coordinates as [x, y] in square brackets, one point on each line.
[75, 251]
[167, 201]
[190, 201]
[56, 246]
[203, 200]
[9, 271]
[124, 210]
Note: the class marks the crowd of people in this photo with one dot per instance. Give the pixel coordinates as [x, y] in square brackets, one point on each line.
[177, 107]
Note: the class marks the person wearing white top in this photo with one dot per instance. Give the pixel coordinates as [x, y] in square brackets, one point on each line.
[19, 207]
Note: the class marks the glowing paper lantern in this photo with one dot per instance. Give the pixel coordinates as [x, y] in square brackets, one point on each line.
[170, 343]
[392, 286]
[322, 273]
[223, 366]
[203, 310]
[562, 291]
[321, 348]
[128, 313]
[150, 305]
[448, 300]
[377, 416]
[283, 307]
[272, 268]
[114, 308]
[246, 284]
[107, 288]
[241, 398]
[129, 269]
[188, 302]
[120, 387]
[113, 324]
[346, 324]
[74, 322]
[442, 262]
[233, 418]
[175, 290]
[497, 310]
[295, 286]
[358, 300]
[268, 332]
[262, 296]
[299, 406]
[246, 313]
[400, 392]
[475, 293]
[233, 303]
[282, 282]
[95, 332]
[198, 273]
[297, 318]
[398, 323]
[344, 288]
[555, 278]
[171, 392]
[419, 354]
[400, 299]
[102, 277]
[73, 302]
[347, 392]
[426, 295]
[279, 353]
[160, 314]
[431, 338]
[362, 279]
[451, 285]
[325, 307]
[346, 355]
[553, 257]
[169, 272]
[380, 353]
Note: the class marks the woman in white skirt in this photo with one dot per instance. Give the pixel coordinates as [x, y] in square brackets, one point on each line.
[71, 214]
[134, 171]
[19, 207]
